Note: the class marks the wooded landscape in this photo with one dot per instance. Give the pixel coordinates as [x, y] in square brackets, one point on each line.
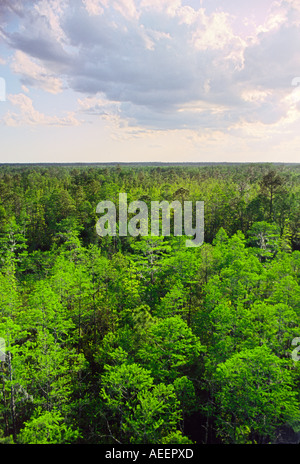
[141, 340]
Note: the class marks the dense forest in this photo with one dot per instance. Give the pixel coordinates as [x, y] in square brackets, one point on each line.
[142, 340]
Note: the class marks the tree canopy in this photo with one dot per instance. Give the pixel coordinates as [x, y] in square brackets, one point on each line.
[123, 339]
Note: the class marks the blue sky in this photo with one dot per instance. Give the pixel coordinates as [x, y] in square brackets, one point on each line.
[150, 80]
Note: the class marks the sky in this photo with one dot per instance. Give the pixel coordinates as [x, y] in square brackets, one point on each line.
[149, 81]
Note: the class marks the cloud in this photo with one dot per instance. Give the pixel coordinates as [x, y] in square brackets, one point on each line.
[29, 116]
[212, 32]
[93, 7]
[162, 64]
[13, 7]
[39, 34]
[52, 11]
[127, 8]
[275, 60]
[154, 64]
[35, 75]
[39, 46]
[169, 7]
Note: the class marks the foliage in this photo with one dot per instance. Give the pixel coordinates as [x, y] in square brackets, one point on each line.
[47, 428]
[141, 339]
[255, 395]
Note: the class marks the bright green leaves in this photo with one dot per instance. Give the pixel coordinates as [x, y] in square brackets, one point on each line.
[175, 302]
[149, 400]
[249, 318]
[238, 328]
[157, 413]
[170, 347]
[52, 371]
[129, 317]
[13, 246]
[137, 410]
[254, 395]
[121, 386]
[41, 365]
[47, 428]
[45, 311]
[176, 438]
[264, 237]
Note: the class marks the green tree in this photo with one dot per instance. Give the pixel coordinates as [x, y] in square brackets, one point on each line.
[141, 411]
[170, 347]
[120, 387]
[47, 428]
[266, 238]
[156, 415]
[271, 185]
[255, 395]
[13, 393]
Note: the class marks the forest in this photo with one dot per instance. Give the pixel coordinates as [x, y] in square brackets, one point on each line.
[142, 340]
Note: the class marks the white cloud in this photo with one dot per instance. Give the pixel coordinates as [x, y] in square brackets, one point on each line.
[100, 106]
[277, 16]
[170, 7]
[213, 32]
[127, 8]
[53, 10]
[33, 74]
[25, 89]
[29, 116]
[93, 7]
[293, 9]
[159, 64]
[255, 95]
